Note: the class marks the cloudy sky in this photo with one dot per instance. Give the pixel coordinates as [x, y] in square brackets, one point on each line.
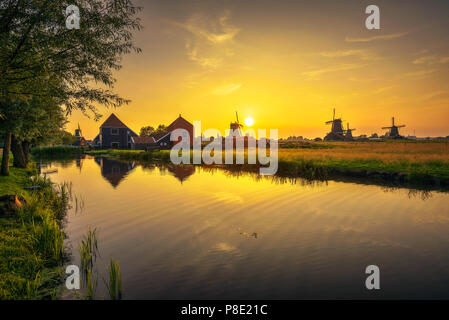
[287, 64]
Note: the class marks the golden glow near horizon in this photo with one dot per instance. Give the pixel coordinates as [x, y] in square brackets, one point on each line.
[287, 64]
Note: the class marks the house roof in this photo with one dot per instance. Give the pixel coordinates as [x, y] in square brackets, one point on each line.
[143, 139]
[175, 124]
[113, 122]
[159, 136]
[179, 121]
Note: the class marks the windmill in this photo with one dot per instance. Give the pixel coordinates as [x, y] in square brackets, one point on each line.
[236, 126]
[393, 132]
[336, 130]
[79, 139]
[78, 132]
[348, 135]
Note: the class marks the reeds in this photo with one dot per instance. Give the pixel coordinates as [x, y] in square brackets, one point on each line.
[114, 285]
[49, 238]
[88, 251]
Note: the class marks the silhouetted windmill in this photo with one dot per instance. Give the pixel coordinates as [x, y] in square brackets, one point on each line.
[336, 130]
[348, 135]
[236, 125]
[393, 131]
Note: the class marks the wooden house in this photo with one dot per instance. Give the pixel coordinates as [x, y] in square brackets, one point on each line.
[115, 134]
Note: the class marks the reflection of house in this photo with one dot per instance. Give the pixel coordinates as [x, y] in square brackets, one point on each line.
[114, 171]
[114, 134]
[181, 172]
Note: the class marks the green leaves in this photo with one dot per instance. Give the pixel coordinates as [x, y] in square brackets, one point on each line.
[39, 56]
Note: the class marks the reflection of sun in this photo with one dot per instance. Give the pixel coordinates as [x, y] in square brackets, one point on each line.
[249, 121]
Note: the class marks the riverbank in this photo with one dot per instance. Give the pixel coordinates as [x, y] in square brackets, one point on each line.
[31, 237]
[425, 163]
[416, 164]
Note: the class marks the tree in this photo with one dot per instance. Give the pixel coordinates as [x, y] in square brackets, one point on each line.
[150, 131]
[32, 122]
[64, 137]
[146, 131]
[41, 57]
[160, 129]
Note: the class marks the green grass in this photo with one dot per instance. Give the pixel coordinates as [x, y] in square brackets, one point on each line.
[31, 242]
[59, 152]
[132, 155]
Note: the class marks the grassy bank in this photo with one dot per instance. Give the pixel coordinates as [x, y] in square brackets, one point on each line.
[31, 240]
[56, 152]
[132, 155]
[411, 162]
[416, 163]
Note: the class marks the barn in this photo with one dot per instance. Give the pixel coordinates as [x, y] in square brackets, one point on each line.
[163, 139]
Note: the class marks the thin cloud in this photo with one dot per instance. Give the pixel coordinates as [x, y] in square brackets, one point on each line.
[209, 40]
[435, 94]
[380, 90]
[362, 54]
[214, 31]
[374, 38]
[431, 60]
[341, 67]
[420, 74]
[426, 60]
[208, 62]
[226, 89]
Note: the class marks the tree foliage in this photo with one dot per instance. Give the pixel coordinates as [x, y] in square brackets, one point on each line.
[149, 130]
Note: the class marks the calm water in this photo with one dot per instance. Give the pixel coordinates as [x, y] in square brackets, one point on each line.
[187, 233]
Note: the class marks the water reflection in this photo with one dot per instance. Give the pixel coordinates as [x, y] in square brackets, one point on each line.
[180, 172]
[203, 232]
[114, 171]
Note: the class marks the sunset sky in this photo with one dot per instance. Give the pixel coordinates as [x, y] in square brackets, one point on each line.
[287, 64]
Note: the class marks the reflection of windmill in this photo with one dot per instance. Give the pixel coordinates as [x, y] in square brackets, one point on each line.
[336, 130]
[236, 126]
[348, 135]
[393, 132]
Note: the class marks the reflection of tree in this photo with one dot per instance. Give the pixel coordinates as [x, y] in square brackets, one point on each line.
[114, 171]
[412, 193]
[424, 194]
[237, 171]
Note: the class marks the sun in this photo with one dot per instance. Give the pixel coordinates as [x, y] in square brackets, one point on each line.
[249, 121]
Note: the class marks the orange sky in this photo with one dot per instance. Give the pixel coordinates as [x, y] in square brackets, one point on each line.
[287, 64]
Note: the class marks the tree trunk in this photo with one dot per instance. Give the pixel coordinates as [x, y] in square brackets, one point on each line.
[26, 147]
[5, 159]
[17, 152]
